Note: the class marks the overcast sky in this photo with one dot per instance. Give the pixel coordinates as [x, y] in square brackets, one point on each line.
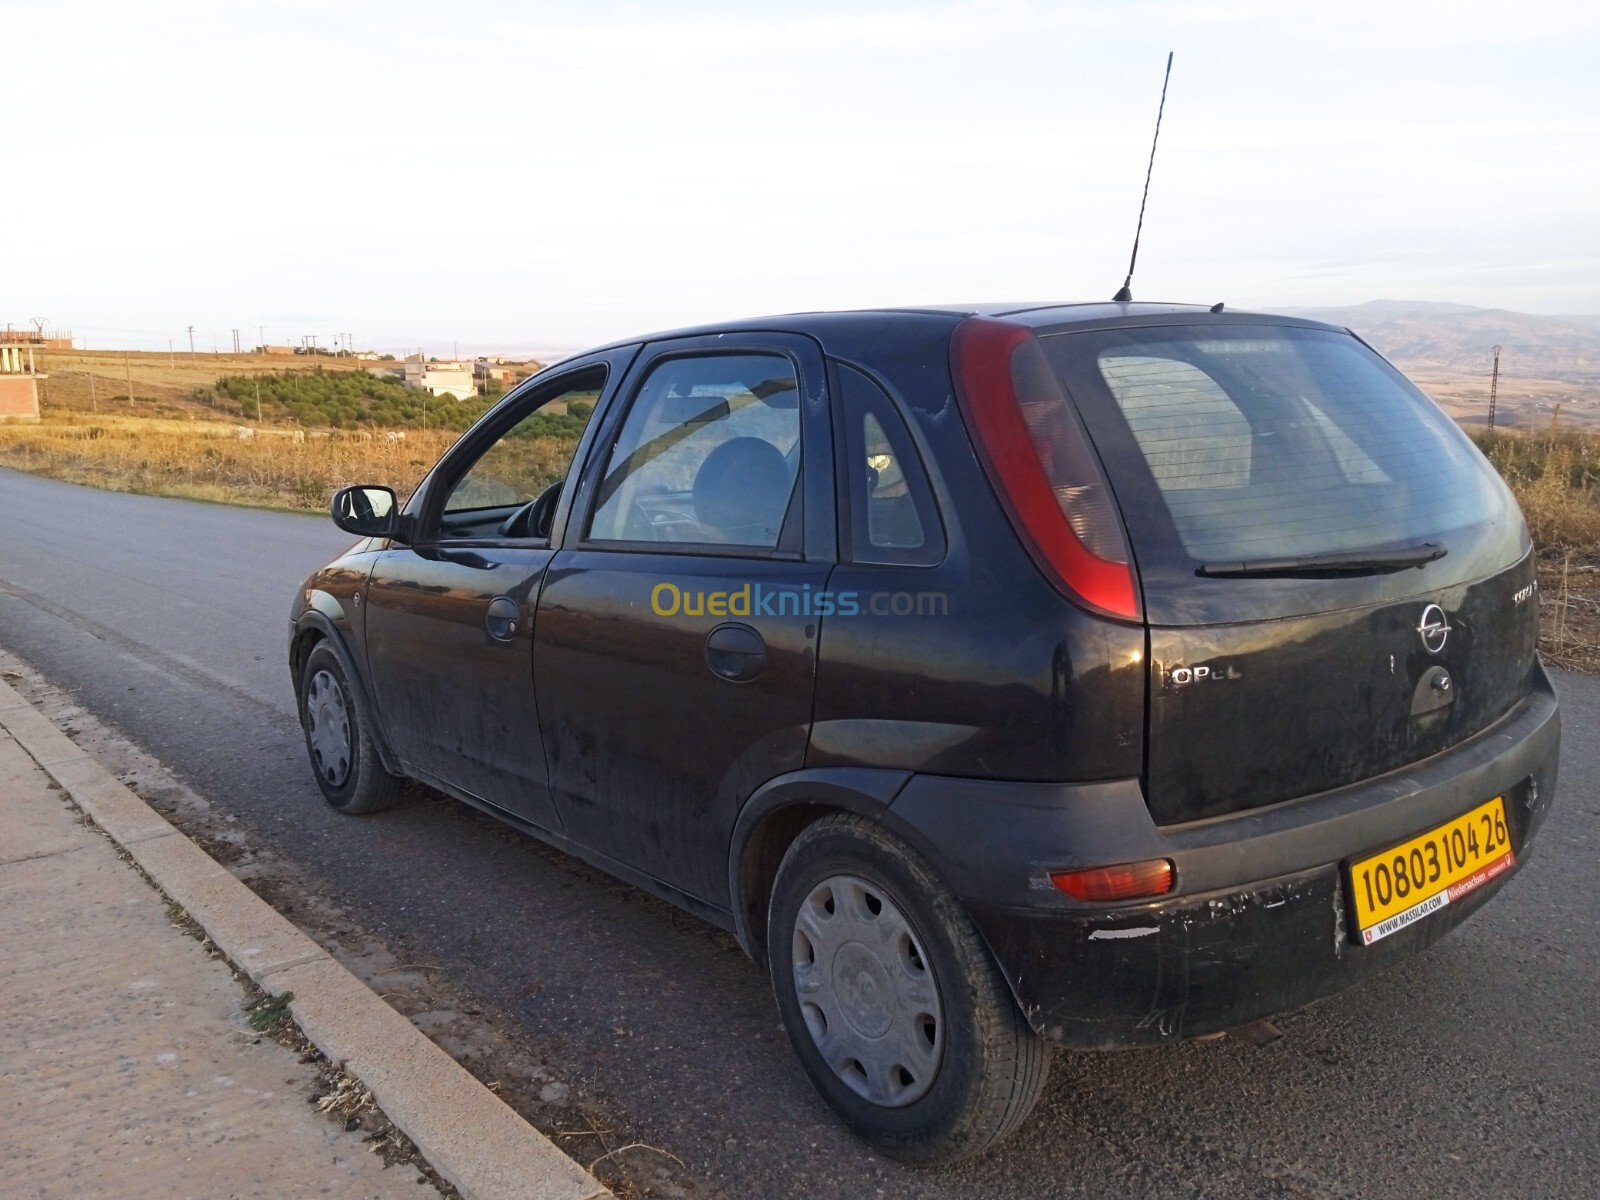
[546, 175]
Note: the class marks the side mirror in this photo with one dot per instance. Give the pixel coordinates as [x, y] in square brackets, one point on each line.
[366, 511]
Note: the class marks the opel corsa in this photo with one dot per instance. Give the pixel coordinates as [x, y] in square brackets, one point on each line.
[1100, 674]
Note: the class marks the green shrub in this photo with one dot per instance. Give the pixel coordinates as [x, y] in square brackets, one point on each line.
[346, 400]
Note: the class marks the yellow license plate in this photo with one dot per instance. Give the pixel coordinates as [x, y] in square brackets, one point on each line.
[1433, 869]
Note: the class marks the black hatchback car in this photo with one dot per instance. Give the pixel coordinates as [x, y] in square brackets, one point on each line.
[1095, 674]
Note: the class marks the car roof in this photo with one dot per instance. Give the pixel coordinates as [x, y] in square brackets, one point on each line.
[1054, 315]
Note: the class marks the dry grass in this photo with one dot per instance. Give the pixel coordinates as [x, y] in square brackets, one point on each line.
[1555, 474]
[264, 467]
[209, 460]
[1569, 611]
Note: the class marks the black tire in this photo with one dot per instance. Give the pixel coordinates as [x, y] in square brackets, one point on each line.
[991, 1068]
[354, 781]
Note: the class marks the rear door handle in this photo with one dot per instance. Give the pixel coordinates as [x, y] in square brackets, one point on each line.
[735, 652]
[502, 619]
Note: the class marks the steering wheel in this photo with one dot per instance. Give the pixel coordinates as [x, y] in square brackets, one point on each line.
[533, 518]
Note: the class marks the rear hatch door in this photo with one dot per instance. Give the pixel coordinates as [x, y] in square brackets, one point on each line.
[1336, 582]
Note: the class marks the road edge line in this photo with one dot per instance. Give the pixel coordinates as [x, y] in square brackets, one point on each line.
[468, 1134]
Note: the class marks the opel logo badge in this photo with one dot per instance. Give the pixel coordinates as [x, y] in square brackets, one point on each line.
[1433, 629]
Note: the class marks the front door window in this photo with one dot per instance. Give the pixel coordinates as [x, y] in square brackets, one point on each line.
[494, 496]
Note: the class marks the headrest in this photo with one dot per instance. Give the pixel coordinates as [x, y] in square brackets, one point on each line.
[742, 490]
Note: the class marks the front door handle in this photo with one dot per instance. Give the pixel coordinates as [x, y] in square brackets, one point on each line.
[503, 618]
[736, 652]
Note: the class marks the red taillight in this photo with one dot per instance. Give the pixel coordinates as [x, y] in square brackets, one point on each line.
[1128, 881]
[1041, 464]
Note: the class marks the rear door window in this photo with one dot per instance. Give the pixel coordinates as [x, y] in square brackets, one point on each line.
[709, 455]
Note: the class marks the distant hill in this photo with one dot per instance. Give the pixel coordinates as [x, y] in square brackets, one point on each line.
[1405, 308]
[1460, 338]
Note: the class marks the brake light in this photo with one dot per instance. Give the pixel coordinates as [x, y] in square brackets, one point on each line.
[1129, 881]
[1038, 457]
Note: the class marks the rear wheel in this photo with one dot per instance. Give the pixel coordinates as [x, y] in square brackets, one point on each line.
[338, 742]
[894, 1006]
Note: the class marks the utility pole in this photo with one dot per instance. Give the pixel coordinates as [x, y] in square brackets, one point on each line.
[191, 343]
[1494, 386]
[258, 402]
[214, 351]
[94, 405]
[127, 365]
[261, 332]
[236, 341]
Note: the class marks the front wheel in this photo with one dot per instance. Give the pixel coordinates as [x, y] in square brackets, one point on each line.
[338, 742]
[895, 1007]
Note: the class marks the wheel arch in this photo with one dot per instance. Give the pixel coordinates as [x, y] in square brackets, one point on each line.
[313, 629]
[771, 819]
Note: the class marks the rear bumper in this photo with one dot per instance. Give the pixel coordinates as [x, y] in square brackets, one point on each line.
[1259, 923]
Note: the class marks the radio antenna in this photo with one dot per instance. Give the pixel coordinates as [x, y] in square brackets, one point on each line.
[1125, 293]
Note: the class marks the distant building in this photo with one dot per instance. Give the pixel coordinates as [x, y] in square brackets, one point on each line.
[492, 374]
[440, 378]
[19, 381]
[284, 351]
[52, 339]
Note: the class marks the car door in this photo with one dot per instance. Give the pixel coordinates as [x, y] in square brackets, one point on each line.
[449, 617]
[675, 646]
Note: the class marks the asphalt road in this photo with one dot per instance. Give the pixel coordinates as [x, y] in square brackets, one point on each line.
[1474, 1071]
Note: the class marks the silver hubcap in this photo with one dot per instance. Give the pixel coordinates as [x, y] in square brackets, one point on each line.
[329, 725]
[868, 997]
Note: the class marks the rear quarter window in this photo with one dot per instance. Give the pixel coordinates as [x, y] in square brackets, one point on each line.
[891, 516]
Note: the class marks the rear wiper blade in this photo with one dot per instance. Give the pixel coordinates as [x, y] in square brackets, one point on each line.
[1337, 562]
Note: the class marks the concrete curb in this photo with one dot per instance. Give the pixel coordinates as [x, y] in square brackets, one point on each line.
[469, 1135]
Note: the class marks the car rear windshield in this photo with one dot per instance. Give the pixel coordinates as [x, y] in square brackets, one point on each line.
[1268, 442]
